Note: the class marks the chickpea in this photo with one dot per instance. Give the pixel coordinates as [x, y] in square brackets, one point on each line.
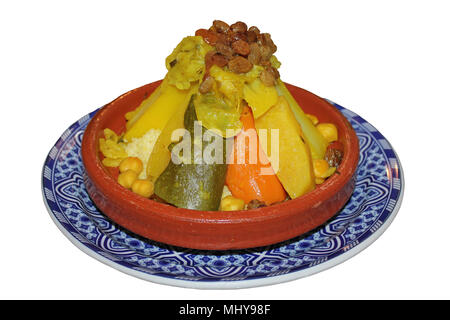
[328, 131]
[319, 180]
[313, 118]
[127, 178]
[231, 203]
[143, 187]
[131, 163]
[322, 169]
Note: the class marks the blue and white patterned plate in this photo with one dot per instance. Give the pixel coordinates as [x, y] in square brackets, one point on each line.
[370, 210]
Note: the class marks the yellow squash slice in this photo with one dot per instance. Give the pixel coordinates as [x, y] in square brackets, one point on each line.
[160, 157]
[292, 158]
[158, 113]
[316, 142]
[259, 97]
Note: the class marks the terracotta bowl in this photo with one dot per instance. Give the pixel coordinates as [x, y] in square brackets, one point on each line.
[216, 230]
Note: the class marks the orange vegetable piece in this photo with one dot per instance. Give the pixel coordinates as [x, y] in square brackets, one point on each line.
[244, 178]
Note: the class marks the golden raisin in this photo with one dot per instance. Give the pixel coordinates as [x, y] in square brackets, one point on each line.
[224, 50]
[238, 27]
[223, 38]
[267, 78]
[220, 26]
[334, 157]
[219, 60]
[235, 36]
[273, 71]
[255, 54]
[206, 85]
[241, 47]
[255, 204]
[254, 29]
[251, 36]
[209, 59]
[209, 36]
[240, 65]
[266, 53]
[265, 40]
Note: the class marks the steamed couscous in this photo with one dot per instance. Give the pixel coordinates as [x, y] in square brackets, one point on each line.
[142, 147]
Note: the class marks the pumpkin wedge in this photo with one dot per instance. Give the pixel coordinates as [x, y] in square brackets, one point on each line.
[292, 158]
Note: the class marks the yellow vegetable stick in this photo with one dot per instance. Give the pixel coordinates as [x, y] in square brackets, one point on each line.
[134, 115]
[160, 157]
[316, 142]
[259, 97]
[158, 113]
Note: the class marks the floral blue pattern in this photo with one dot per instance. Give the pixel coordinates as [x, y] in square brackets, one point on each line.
[373, 205]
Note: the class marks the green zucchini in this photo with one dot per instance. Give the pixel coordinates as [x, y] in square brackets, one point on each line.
[194, 184]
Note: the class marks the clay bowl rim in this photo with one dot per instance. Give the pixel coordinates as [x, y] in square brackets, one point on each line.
[111, 189]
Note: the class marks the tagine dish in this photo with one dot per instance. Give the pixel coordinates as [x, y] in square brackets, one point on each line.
[221, 153]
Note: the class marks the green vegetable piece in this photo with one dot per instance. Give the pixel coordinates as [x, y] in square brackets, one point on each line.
[216, 114]
[191, 182]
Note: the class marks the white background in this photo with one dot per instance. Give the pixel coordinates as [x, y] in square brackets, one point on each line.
[388, 61]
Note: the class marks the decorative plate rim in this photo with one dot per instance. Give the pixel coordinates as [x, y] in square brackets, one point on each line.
[229, 283]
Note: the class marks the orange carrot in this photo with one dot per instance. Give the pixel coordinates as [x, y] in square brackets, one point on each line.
[244, 178]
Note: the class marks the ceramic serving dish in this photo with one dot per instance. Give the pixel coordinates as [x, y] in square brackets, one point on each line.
[216, 230]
